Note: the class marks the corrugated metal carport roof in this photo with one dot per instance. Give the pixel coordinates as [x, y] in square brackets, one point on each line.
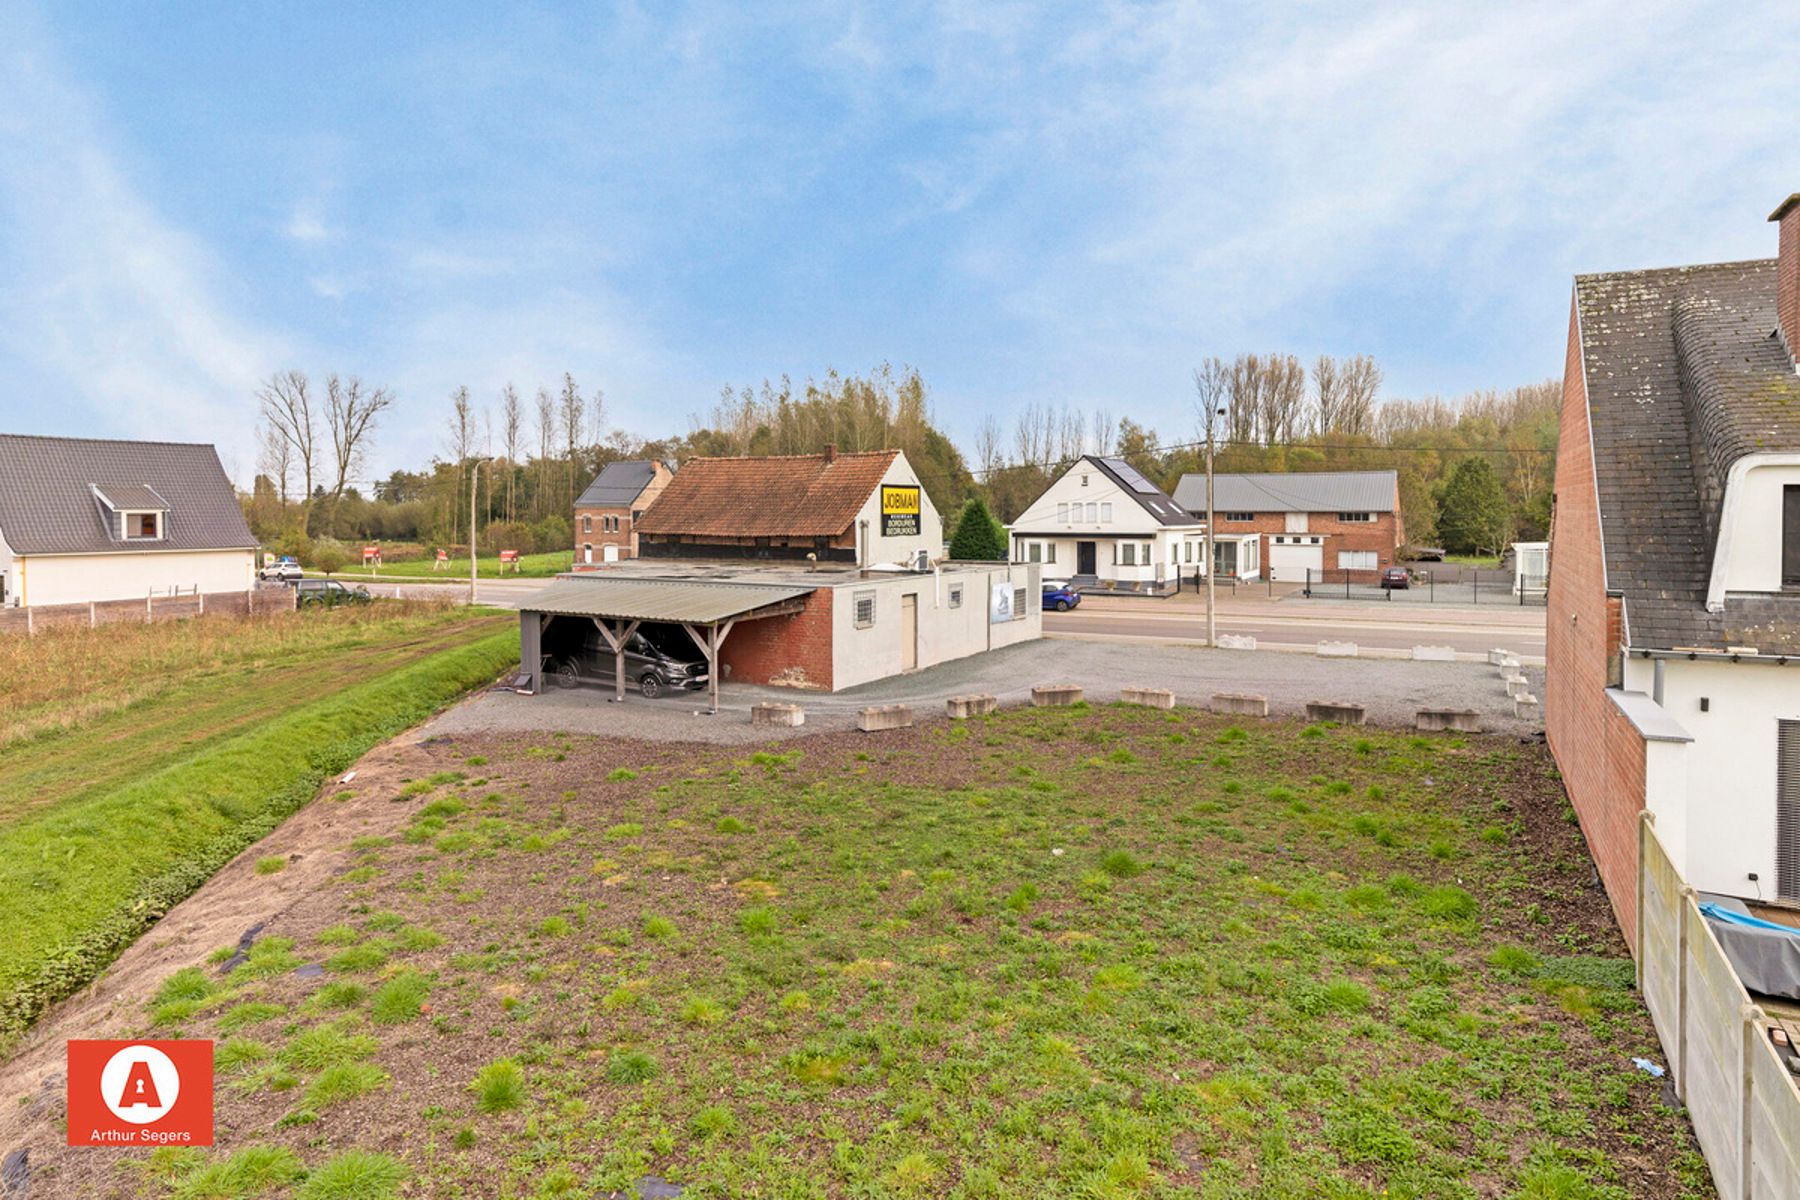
[657, 599]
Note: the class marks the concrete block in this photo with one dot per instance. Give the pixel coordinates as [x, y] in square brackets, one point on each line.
[777, 714]
[1236, 641]
[1510, 663]
[1055, 695]
[1435, 720]
[1496, 657]
[1517, 687]
[1525, 707]
[1149, 697]
[1512, 677]
[1240, 704]
[959, 708]
[1334, 710]
[1434, 653]
[884, 716]
[1337, 650]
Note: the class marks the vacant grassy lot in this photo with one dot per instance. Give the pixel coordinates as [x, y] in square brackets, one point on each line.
[134, 760]
[1095, 953]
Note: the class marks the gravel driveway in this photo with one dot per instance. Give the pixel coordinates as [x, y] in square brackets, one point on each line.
[1392, 690]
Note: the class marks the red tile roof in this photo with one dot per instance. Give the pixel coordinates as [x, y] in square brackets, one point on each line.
[799, 495]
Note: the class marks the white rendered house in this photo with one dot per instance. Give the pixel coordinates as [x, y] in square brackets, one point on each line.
[1102, 525]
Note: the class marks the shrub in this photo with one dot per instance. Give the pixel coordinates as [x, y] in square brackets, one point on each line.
[343, 1081]
[1121, 864]
[1449, 903]
[660, 928]
[399, 999]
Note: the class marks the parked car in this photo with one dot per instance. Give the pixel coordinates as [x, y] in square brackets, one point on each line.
[1396, 578]
[1059, 596]
[329, 593]
[285, 569]
[658, 658]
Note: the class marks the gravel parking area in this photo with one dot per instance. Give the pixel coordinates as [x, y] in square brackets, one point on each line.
[1392, 690]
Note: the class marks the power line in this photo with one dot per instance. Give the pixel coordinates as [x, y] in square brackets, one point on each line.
[1165, 448]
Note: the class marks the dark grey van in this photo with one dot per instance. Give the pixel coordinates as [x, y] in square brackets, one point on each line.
[658, 658]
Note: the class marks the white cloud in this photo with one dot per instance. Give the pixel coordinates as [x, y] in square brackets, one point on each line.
[305, 225]
[133, 316]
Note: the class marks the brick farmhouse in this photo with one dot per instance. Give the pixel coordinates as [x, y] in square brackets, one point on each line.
[1328, 523]
[1674, 591]
[606, 514]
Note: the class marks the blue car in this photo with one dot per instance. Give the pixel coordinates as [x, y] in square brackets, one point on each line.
[1060, 597]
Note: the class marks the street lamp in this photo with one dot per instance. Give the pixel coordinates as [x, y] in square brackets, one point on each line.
[474, 490]
[1212, 625]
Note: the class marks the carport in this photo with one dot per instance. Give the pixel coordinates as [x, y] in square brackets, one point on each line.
[708, 611]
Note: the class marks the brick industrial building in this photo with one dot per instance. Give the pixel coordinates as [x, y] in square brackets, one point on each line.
[606, 514]
[1674, 592]
[1308, 521]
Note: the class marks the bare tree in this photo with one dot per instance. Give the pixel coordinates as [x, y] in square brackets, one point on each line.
[275, 458]
[1328, 394]
[987, 444]
[512, 420]
[462, 445]
[1283, 399]
[1245, 384]
[285, 400]
[351, 414]
[573, 412]
[597, 406]
[546, 431]
[1362, 380]
[1105, 429]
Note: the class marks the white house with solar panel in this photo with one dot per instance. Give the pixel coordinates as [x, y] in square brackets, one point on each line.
[1104, 527]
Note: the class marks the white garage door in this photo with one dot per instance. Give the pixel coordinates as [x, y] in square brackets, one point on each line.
[1289, 562]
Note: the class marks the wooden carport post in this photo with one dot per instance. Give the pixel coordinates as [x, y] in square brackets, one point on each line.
[617, 643]
[709, 646]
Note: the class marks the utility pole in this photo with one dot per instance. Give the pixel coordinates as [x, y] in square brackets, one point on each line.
[1212, 625]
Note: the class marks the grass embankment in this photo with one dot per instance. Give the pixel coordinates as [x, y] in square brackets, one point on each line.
[138, 760]
[530, 566]
[1104, 953]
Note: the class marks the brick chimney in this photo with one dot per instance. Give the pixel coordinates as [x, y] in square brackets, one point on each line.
[1787, 274]
[831, 447]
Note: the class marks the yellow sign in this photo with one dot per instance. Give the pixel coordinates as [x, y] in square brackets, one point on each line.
[900, 509]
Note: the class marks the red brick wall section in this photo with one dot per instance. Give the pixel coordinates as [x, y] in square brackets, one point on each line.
[1598, 751]
[1787, 279]
[794, 649]
[1381, 535]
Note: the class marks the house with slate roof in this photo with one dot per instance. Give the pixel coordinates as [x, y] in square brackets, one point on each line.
[1102, 524]
[84, 520]
[1673, 641]
[606, 514]
[1343, 522]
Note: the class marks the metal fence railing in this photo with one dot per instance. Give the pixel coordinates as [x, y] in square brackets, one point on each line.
[1743, 1103]
[1429, 583]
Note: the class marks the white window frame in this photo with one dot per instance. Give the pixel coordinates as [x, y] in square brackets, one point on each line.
[1106, 513]
[1356, 518]
[1062, 512]
[1358, 560]
[857, 600]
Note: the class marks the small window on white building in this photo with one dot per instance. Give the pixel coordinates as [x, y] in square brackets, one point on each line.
[865, 609]
[1034, 552]
[1093, 512]
[1189, 552]
[1062, 514]
[1357, 560]
[1128, 554]
[956, 595]
[1049, 552]
[1084, 481]
[1106, 513]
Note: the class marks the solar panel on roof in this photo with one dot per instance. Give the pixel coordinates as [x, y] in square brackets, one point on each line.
[1134, 479]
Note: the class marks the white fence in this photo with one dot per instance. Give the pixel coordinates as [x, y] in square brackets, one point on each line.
[1743, 1104]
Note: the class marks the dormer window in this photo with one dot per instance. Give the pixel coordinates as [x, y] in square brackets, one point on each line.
[1790, 537]
[141, 526]
[133, 512]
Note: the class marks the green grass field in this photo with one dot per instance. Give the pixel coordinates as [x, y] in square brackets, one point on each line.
[530, 566]
[138, 759]
[1104, 953]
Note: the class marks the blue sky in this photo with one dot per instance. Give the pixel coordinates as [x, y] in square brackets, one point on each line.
[1028, 202]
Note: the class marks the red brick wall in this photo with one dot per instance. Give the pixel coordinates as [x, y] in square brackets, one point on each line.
[1787, 280]
[1382, 535]
[1598, 751]
[760, 651]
